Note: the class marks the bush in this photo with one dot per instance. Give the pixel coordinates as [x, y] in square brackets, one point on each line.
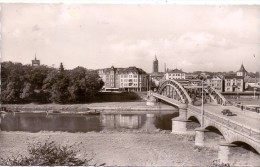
[47, 153]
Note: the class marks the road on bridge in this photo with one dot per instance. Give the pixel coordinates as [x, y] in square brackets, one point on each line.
[245, 117]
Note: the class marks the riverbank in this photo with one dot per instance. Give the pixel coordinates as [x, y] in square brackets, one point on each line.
[131, 148]
[100, 107]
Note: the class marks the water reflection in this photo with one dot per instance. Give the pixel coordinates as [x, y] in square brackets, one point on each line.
[35, 122]
[118, 121]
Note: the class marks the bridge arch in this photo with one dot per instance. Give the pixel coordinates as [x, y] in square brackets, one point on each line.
[194, 118]
[246, 146]
[173, 89]
[218, 130]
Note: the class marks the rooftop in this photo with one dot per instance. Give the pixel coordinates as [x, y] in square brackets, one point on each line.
[233, 77]
[242, 69]
[175, 71]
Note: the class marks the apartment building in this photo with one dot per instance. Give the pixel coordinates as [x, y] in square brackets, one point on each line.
[234, 83]
[124, 79]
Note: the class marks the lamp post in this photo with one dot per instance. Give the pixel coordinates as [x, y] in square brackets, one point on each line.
[202, 106]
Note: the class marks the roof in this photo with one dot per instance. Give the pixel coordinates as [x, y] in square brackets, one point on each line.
[251, 80]
[215, 77]
[233, 77]
[155, 58]
[157, 74]
[242, 69]
[124, 70]
[175, 71]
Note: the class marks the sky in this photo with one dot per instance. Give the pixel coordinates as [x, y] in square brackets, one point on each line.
[188, 37]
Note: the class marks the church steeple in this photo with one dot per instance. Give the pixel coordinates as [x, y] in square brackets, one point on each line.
[155, 64]
[35, 62]
[242, 71]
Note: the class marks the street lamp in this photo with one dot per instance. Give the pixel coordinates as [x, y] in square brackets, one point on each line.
[202, 104]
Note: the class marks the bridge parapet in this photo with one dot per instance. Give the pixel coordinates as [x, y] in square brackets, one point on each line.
[229, 124]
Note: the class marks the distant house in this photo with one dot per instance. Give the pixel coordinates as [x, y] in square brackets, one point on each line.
[234, 83]
[217, 82]
[251, 82]
[190, 76]
[156, 77]
[175, 74]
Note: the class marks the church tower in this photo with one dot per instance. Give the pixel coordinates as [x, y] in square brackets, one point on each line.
[242, 71]
[35, 62]
[155, 64]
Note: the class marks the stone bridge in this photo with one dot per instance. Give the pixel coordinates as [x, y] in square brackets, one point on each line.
[208, 115]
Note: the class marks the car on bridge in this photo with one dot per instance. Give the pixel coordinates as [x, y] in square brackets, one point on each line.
[227, 112]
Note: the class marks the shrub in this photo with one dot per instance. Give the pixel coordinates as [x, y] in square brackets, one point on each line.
[47, 153]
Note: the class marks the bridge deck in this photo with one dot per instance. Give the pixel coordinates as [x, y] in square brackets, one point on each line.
[248, 118]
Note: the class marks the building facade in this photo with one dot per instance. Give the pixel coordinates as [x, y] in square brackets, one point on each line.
[175, 74]
[217, 82]
[234, 83]
[124, 79]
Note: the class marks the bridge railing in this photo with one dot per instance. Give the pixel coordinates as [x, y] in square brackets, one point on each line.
[253, 133]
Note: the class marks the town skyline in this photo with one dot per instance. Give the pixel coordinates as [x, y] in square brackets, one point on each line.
[96, 36]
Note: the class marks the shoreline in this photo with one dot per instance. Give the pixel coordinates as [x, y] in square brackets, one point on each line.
[104, 107]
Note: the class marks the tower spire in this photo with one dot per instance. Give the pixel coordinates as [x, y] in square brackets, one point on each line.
[35, 56]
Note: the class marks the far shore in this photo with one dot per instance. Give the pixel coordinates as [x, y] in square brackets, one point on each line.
[90, 107]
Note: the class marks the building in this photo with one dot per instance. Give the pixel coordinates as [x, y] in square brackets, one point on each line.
[217, 82]
[234, 83]
[155, 65]
[156, 76]
[175, 74]
[35, 62]
[242, 71]
[190, 76]
[251, 83]
[124, 79]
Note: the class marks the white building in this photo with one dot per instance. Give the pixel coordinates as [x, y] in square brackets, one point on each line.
[175, 74]
[234, 84]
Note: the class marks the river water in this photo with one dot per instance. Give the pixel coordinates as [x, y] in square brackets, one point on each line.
[35, 122]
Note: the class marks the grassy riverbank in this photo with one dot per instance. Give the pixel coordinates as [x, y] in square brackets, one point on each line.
[133, 148]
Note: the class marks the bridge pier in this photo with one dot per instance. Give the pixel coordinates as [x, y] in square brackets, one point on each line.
[179, 124]
[224, 152]
[200, 136]
[150, 101]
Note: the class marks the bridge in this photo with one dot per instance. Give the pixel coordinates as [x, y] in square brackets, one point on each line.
[236, 129]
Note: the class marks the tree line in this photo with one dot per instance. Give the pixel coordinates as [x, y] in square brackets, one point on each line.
[41, 84]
